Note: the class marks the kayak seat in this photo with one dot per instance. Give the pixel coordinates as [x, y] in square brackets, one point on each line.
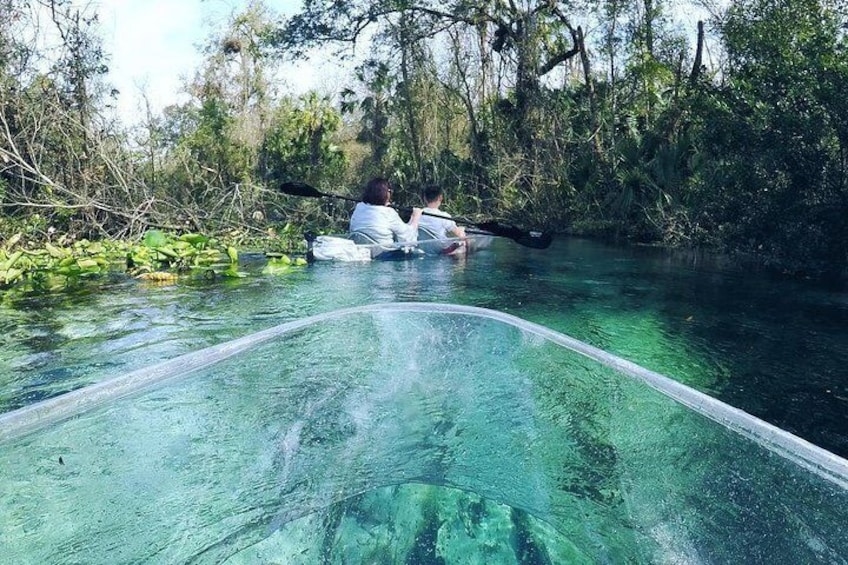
[434, 245]
[362, 238]
[426, 233]
[378, 250]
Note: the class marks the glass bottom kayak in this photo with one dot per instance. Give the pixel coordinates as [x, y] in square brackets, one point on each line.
[409, 433]
[360, 248]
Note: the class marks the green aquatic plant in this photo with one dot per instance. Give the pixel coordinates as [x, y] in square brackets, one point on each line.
[159, 257]
[51, 266]
[159, 250]
[282, 264]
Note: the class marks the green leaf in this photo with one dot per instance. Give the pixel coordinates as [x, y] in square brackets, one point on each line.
[88, 264]
[12, 259]
[10, 275]
[195, 239]
[13, 240]
[169, 251]
[154, 238]
[234, 273]
[275, 269]
[55, 252]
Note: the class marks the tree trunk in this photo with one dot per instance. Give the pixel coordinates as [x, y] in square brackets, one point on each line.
[699, 51]
[590, 90]
[649, 26]
[410, 106]
[526, 86]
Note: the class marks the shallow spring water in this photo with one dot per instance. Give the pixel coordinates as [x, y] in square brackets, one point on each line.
[393, 435]
[775, 348]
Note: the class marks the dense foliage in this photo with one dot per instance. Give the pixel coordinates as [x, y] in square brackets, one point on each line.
[628, 119]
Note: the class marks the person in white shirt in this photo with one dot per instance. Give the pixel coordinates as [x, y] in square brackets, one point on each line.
[435, 220]
[374, 218]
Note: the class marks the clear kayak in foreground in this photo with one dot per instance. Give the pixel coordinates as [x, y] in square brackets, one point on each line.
[409, 433]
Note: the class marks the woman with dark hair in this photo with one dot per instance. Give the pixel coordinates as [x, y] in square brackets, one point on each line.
[375, 219]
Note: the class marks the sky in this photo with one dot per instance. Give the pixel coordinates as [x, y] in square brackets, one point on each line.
[153, 46]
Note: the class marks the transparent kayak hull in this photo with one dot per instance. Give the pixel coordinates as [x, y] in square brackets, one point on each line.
[409, 433]
[340, 248]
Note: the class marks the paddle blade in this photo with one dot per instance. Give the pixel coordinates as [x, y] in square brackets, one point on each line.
[532, 239]
[296, 188]
[535, 239]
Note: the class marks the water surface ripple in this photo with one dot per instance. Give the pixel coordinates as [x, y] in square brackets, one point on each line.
[775, 348]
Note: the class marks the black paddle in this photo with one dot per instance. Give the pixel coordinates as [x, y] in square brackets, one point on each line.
[534, 239]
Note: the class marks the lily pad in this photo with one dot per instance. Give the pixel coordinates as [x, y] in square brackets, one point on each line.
[154, 238]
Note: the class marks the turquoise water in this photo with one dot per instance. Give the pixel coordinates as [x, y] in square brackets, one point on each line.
[426, 438]
[775, 348]
[408, 437]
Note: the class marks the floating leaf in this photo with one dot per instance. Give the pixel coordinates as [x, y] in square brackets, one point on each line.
[87, 264]
[9, 275]
[13, 240]
[195, 239]
[168, 250]
[154, 238]
[55, 252]
[232, 254]
[275, 269]
[234, 273]
[282, 264]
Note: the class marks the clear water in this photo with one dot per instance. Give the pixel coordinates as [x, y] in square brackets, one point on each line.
[777, 349]
[429, 439]
[408, 437]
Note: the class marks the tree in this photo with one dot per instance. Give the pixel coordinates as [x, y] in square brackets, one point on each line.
[372, 108]
[298, 145]
[777, 135]
[529, 37]
[62, 156]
